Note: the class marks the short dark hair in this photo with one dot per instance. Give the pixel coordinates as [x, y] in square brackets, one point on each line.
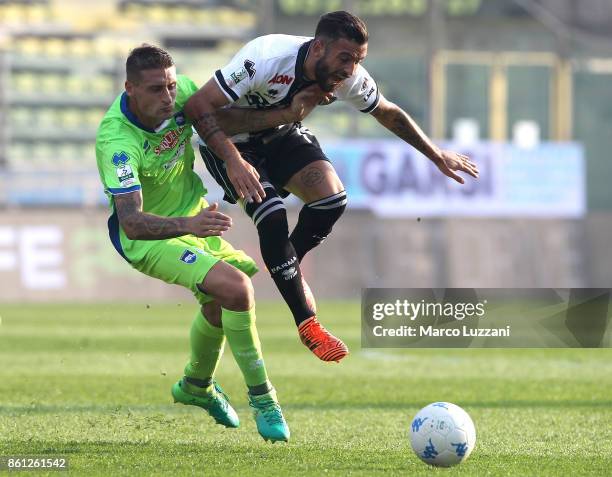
[341, 24]
[146, 57]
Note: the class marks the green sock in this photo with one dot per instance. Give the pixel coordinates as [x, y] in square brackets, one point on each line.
[241, 333]
[207, 342]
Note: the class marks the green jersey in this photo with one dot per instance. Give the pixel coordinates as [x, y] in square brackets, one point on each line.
[158, 162]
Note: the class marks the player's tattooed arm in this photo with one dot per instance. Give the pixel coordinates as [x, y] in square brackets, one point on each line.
[139, 225]
[396, 120]
[201, 109]
[240, 120]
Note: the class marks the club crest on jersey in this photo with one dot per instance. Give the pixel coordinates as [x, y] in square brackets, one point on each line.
[188, 257]
[281, 79]
[179, 118]
[170, 140]
[120, 158]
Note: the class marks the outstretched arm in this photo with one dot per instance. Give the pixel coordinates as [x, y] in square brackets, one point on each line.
[396, 120]
[139, 225]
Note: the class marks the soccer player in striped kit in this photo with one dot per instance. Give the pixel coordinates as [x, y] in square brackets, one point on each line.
[260, 168]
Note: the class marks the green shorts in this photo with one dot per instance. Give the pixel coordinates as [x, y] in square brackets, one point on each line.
[186, 260]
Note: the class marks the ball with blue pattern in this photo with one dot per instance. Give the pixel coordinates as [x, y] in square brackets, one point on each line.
[442, 434]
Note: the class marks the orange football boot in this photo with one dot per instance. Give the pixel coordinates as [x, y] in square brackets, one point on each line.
[321, 342]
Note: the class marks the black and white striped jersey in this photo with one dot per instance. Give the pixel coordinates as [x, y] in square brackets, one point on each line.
[268, 71]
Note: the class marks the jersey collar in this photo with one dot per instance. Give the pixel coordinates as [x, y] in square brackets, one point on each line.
[301, 59]
[299, 83]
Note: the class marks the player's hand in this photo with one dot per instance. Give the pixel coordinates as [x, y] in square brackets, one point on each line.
[209, 222]
[448, 162]
[245, 180]
[306, 100]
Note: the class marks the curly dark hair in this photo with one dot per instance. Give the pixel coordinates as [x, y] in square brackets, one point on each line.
[341, 24]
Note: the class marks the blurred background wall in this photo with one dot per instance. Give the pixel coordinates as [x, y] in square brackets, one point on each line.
[521, 85]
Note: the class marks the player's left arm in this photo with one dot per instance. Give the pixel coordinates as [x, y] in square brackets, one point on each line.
[396, 120]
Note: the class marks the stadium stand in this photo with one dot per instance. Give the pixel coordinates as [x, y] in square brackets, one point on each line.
[60, 70]
[61, 65]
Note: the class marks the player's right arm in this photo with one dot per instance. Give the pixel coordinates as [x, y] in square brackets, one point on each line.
[200, 109]
[244, 73]
[213, 124]
[139, 225]
[119, 155]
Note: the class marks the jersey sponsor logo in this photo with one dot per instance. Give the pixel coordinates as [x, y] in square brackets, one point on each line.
[188, 257]
[128, 182]
[170, 140]
[120, 158]
[281, 79]
[250, 67]
[236, 77]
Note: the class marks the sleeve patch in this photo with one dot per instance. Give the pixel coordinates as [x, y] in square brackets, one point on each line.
[236, 77]
[125, 175]
[228, 91]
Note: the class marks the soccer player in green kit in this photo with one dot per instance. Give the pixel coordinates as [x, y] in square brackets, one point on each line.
[164, 228]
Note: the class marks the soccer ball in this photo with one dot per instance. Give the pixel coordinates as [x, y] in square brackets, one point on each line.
[442, 434]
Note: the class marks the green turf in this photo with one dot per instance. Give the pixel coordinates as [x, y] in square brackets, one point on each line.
[93, 383]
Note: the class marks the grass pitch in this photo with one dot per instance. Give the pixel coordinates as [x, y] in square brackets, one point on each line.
[93, 383]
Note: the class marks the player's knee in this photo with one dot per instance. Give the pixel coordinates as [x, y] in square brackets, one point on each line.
[239, 294]
[274, 226]
[229, 287]
[321, 215]
[316, 221]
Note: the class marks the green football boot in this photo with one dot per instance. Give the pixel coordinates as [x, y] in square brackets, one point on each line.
[269, 418]
[216, 403]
